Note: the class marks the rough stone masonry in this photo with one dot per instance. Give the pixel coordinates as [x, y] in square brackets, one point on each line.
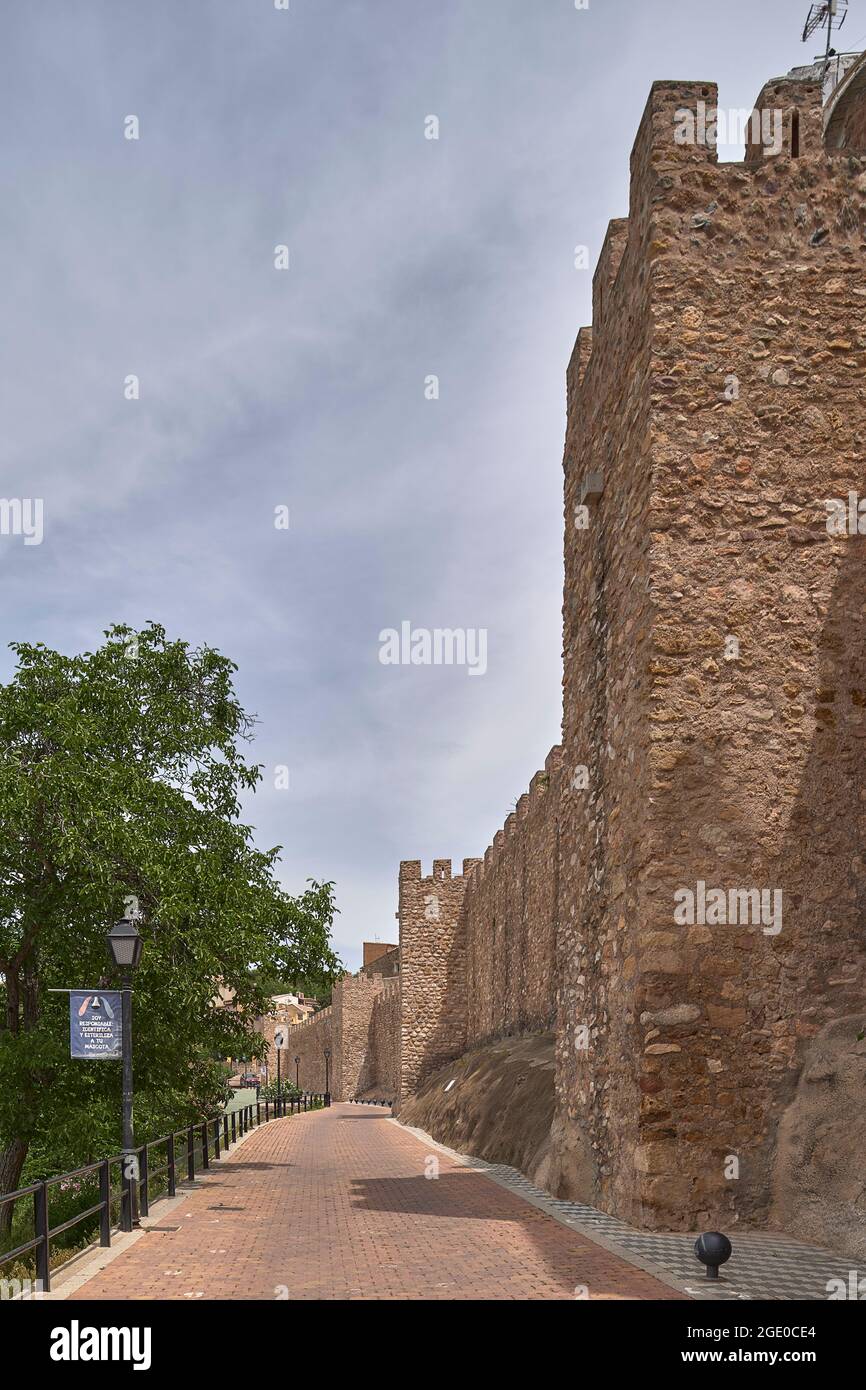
[709, 1071]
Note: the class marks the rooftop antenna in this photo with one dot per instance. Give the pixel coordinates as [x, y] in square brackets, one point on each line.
[830, 15]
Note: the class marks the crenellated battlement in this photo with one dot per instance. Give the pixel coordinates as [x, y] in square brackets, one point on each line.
[410, 871]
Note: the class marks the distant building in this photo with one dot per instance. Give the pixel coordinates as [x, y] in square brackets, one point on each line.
[380, 958]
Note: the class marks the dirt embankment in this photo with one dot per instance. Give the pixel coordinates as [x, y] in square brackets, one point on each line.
[819, 1188]
[499, 1107]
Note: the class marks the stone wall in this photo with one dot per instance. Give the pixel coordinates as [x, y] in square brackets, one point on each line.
[384, 1043]
[361, 1027]
[433, 986]
[714, 695]
[354, 998]
[757, 702]
[510, 918]
[607, 619]
[308, 1041]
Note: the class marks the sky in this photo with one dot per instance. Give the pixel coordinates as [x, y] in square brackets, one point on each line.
[262, 388]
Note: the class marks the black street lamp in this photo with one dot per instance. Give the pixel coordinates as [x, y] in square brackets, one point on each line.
[297, 1073]
[125, 945]
[327, 1052]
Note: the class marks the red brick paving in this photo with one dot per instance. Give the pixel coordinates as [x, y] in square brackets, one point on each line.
[335, 1205]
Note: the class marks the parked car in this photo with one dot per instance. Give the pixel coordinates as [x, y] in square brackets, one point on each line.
[248, 1079]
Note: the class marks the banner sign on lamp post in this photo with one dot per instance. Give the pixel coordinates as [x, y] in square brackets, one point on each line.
[95, 1024]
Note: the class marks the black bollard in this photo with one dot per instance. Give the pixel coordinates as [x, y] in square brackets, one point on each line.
[713, 1249]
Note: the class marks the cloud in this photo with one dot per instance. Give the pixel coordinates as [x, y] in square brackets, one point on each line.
[258, 387]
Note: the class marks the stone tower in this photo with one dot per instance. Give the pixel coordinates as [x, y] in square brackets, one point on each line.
[682, 892]
[714, 681]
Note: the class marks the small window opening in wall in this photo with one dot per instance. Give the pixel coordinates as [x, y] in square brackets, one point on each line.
[795, 135]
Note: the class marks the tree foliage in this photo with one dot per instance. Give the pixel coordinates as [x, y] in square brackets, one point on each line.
[121, 773]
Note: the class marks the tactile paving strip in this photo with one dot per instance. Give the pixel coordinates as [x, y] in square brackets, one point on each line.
[763, 1266]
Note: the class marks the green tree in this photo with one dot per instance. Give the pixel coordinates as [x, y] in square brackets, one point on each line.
[121, 774]
[313, 969]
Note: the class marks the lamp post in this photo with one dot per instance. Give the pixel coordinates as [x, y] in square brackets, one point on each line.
[297, 1073]
[327, 1051]
[125, 945]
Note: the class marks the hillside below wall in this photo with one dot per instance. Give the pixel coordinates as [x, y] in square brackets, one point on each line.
[500, 1107]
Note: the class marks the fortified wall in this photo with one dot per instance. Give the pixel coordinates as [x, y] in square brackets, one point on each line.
[681, 892]
[361, 1027]
[713, 694]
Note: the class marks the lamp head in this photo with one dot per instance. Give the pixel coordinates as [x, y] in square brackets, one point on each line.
[125, 943]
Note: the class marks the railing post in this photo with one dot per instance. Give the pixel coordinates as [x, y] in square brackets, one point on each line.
[126, 1192]
[190, 1154]
[267, 1110]
[234, 1128]
[226, 1133]
[40, 1223]
[205, 1151]
[169, 1155]
[258, 1112]
[143, 1188]
[327, 1098]
[216, 1139]
[105, 1199]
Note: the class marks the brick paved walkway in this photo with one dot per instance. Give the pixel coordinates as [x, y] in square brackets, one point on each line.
[335, 1205]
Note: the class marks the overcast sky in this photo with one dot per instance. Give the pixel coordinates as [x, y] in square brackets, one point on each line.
[259, 388]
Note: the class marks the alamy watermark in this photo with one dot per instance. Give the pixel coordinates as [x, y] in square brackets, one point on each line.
[721, 907]
[77, 1343]
[438, 646]
[20, 1290]
[713, 125]
[853, 1290]
[846, 517]
[22, 516]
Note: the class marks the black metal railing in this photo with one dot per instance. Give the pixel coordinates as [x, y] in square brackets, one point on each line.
[201, 1143]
